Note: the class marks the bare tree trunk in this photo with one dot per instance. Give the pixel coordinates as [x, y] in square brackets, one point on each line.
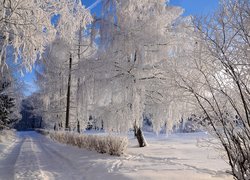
[68, 94]
[78, 127]
[140, 137]
[135, 129]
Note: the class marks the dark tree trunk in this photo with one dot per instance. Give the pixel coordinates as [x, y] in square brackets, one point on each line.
[68, 94]
[55, 128]
[135, 129]
[139, 136]
[78, 127]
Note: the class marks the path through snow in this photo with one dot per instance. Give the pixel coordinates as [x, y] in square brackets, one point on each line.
[35, 157]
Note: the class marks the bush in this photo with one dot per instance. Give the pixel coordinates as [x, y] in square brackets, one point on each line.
[112, 145]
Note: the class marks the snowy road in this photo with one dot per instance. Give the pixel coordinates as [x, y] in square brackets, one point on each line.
[33, 156]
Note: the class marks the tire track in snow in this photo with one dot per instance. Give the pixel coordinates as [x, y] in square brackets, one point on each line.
[54, 164]
[36, 157]
[27, 167]
[8, 161]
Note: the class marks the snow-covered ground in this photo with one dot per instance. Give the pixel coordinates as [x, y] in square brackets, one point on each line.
[179, 156]
[7, 140]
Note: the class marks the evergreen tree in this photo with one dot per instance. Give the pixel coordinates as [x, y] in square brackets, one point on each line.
[6, 105]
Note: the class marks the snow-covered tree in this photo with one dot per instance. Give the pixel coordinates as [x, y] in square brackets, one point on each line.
[63, 81]
[10, 94]
[52, 82]
[26, 26]
[29, 27]
[10, 99]
[136, 37]
[6, 105]
[215, 81]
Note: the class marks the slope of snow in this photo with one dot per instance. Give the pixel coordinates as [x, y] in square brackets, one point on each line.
[34, 156]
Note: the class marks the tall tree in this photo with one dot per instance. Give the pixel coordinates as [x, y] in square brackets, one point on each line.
[134, 38]
[215, 82]
[7, 103]
[26, 26]
[63, 81]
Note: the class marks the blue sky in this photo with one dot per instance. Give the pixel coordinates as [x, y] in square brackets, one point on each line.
[192, 7]
[29, 79]
[196, 7]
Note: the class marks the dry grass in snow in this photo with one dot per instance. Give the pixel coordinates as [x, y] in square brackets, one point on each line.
[109, 144]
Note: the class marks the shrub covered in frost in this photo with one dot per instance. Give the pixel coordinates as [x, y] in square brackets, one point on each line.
[112, 145]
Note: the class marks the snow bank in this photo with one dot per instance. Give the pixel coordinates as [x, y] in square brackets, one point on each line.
[109, 144]
[7, 141]
[7, 136]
